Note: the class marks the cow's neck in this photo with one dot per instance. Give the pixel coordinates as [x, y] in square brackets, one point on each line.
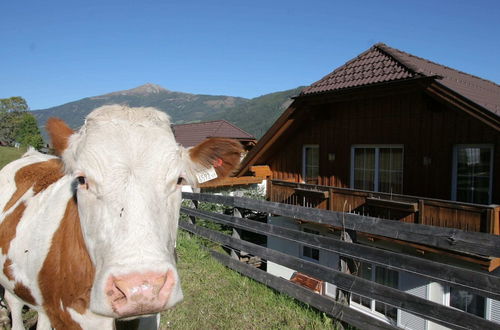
[69, 261]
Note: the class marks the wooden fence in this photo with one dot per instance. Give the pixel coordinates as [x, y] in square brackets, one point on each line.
[481, 283]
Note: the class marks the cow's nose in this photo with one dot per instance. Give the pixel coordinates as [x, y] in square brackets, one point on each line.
[139, 293]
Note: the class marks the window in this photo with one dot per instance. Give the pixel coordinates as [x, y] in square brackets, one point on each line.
[309, 252]
[377, 168]
[380, 275]
[472, 173]
[310, 164]
[467, 302]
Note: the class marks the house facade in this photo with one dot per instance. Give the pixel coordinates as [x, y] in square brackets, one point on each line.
[388, 121]
[395, 135]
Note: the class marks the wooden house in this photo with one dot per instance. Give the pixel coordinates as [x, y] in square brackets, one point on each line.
[189, 135]
[391, 122]
[391, 135]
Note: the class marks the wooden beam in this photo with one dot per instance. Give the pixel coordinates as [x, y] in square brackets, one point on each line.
[280, 125]
[435, 312]
[392, 204]
[312, 193]
[261, 170]
[441, 237]
[476, 282]
[442, 92]
[231, 181]
[331, 307]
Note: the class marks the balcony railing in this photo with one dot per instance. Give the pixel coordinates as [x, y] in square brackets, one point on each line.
[441, 213]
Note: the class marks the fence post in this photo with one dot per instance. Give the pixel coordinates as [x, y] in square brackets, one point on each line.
[236, 234]
[192, 219]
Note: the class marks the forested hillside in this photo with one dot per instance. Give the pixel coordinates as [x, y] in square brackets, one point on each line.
[253, 115]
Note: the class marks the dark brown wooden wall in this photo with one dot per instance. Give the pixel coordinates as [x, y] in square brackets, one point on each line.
[424, 126]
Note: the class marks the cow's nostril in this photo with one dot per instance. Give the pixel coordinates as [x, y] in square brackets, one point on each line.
[119, 291]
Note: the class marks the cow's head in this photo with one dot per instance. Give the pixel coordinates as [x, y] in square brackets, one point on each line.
[127, 171]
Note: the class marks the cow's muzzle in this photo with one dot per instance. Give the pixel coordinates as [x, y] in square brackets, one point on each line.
[140, 293]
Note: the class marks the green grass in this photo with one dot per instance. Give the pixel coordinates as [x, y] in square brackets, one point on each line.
[216, 297]
[8, 154]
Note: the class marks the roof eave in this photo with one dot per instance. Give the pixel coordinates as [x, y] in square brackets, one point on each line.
[470, 107]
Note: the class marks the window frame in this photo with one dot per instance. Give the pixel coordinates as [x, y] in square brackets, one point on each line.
[377, 148]
[302, 246]
[454, 172]
[304, 161]
[487, 304]
[372, 309]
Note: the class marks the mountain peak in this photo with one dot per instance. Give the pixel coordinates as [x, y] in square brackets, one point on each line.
[145, 89]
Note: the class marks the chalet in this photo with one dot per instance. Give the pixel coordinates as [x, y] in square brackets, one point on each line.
[391, 135]
[191, 134]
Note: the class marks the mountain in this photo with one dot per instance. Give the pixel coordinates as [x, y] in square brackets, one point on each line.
[253, 115]
[258, 114]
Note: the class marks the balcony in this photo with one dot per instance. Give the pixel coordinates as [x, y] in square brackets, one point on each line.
[433, 212]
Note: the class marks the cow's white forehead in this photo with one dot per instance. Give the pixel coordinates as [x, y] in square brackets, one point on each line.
[144, 115]
[128, 139]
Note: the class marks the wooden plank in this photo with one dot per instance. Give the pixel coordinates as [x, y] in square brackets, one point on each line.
[445, 238]
[311, 193]
[421, 211]
[493, 221]
[231, 181]
[336, 310]
[435, 312]
[483, 284]
[392, 204]
[261, 170]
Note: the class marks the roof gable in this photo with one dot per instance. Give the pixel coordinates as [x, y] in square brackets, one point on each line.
[189, 135]
[382, 63]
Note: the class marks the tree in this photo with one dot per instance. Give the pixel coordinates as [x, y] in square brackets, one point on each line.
[17, 124]
[13, 104]
[27, 132]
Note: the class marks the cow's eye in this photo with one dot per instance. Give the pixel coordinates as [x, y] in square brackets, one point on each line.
[180, 181]
[81, 180]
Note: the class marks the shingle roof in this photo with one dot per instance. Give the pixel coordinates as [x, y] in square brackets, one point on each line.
[382, 63]
[189, 135]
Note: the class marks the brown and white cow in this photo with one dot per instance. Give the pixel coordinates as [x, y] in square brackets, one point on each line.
[90, 236]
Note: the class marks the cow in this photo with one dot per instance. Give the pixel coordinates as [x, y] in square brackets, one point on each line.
[88, 235]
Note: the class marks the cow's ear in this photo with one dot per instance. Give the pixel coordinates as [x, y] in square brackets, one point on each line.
[59, 133]
[223, 155]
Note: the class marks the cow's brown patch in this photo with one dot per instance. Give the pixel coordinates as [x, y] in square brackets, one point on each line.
[59, 133]
[24, 293]
[8, 227]
[38, 175]
[223, 154]
[68, 261]
[7, 270]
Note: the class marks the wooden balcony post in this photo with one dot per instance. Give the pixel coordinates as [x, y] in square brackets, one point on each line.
[421, 207]
[493, 220]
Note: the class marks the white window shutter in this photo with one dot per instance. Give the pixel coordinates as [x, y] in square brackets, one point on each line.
[415, 285]
[495, 310]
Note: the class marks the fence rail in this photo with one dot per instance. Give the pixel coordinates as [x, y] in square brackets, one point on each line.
[480, 283]
[426, 211]
[440, 237]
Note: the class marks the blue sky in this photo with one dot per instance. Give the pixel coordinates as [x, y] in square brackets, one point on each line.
[54, 52]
